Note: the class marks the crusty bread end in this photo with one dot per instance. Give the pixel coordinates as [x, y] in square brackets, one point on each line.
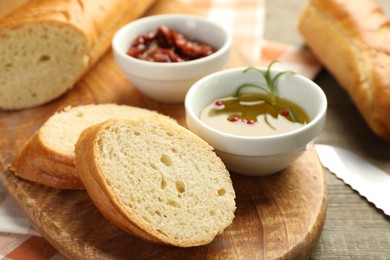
[46, 46]
[351, 40]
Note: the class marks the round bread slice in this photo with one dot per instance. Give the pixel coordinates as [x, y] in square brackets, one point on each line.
[48, 156]
[156, 180]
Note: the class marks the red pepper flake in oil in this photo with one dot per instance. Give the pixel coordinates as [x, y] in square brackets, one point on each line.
[284, 112]
[219, 103]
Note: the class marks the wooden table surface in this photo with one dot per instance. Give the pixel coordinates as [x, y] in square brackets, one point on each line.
[269, 224]
[354, 228]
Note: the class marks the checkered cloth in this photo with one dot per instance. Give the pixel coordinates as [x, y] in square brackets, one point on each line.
[18, 240]
[245, 18]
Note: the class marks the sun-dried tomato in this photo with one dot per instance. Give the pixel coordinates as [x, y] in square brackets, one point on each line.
[166, 45]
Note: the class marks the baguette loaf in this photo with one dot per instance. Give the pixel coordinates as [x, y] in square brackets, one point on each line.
[48, 156]
[351, 39]
[156, 180]
[47, 45]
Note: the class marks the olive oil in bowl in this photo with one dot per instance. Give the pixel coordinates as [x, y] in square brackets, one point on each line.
[255, 110]
[254, 115]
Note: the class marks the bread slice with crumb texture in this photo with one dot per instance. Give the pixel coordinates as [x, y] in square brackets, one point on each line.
[156, 180]
[48, 156]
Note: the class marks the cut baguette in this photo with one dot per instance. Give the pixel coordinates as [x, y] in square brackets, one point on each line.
[48, 156]
[352, 40]
[47, 45]
[156, 180]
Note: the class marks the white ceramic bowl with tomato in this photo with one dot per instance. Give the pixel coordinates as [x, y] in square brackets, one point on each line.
[257, 155]
[169, 82]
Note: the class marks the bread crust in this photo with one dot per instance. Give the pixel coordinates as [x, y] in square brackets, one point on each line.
[351, 40]
[7, 7]
[37, 163]
[92, 22]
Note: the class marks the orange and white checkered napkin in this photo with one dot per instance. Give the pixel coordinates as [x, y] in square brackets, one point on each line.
[245, 19]
[246, 25]
[18, 239]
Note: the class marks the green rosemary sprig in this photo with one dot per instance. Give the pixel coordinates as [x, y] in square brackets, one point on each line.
[270, 89]
[293, 115]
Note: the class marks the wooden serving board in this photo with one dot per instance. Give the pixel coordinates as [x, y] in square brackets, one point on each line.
[278, 216]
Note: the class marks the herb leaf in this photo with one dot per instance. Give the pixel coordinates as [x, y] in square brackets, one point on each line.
[271, 82]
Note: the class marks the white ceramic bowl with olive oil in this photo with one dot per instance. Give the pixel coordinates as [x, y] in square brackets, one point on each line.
[244, 152]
